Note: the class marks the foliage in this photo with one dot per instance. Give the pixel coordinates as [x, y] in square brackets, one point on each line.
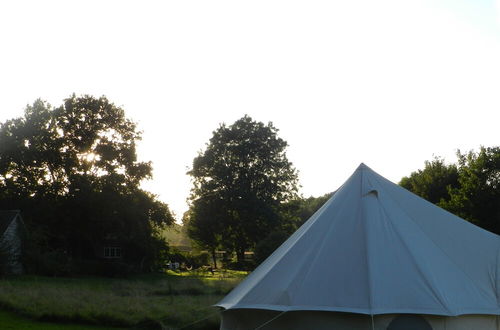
[203, 224]
[240, 182]
[74, 172]
[309, 206]
[176, 235]
[478, 196]
[297, 211]
[191, 260]
[469, 189]
[267, 246]
[433, 182]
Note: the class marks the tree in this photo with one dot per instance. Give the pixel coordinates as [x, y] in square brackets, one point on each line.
[433, 182]
[203, 227]
[74, 172]
[295, 212]
[477, 198]
[245, 175]
[469, 189]
[310, 205]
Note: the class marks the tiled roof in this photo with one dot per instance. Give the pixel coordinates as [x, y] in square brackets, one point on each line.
[6, 218]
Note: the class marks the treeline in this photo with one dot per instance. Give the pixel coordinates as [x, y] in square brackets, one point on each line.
[469, 188]
[74, 173]
[245, 191]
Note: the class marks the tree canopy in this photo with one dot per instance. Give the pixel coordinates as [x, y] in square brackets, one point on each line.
[239, 184]
[477, 198]
[433, 182]
[74, 172]
[469, 189]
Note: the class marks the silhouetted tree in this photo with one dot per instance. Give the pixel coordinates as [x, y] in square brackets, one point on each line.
[469, 189]
[433, 182]
[203, 224]
[477, 198]
[244, 171]
[74, 172]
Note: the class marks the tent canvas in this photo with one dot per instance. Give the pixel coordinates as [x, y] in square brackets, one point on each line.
[375, 249]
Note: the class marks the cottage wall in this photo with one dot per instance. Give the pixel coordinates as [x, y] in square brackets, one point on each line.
[12, 242]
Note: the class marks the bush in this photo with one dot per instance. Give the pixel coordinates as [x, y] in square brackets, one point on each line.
[190, 259]
[200, 259]
[102, 268]
[52, 263]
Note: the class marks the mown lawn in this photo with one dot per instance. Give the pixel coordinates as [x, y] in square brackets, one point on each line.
[173, 300]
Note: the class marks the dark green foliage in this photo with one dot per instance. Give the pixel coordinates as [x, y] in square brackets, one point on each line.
[191, 260]
[310, 205]
[469, 189]
[296, 211]
[49, 263]
[74, 172]
[240, 182]
[433, 182]
[102, 268]
[203, 223]
[478, 196]
[268, 245]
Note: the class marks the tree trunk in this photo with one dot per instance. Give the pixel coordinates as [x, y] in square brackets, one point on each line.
[214, 258]
[240, 256]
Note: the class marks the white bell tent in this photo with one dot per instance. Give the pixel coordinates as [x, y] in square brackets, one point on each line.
[375, 256]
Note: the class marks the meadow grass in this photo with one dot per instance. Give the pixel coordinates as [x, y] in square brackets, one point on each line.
[171, 300]
[10, 321]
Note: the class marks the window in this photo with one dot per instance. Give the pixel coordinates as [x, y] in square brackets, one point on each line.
[112, 252]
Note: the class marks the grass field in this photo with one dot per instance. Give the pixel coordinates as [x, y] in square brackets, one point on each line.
[10, 321]
[172, 300]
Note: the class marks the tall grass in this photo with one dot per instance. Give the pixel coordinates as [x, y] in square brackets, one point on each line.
[145, 301]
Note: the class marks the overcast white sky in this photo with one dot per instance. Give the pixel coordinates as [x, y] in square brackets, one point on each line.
[389, 83]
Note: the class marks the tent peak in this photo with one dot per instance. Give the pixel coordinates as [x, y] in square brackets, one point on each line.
[363, 166]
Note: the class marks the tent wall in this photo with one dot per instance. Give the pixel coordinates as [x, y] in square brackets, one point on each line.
[246, 319]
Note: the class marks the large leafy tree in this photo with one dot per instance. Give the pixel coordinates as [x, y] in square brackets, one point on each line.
[296, 211]
[433, 182]
[240, 182]
[477, 198]
[74, 172]
[469, 189]
[203, 224]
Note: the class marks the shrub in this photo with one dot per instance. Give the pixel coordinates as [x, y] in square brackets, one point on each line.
[102, 268]
[52, 263]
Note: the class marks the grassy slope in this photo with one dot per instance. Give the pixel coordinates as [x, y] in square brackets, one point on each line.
[172, 300]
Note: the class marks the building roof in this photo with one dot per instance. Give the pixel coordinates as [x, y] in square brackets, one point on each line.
[376, 248]
[6, 217]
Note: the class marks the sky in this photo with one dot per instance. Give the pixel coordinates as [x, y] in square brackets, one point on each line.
[390, 83]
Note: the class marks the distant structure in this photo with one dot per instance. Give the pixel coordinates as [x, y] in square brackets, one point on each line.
[12, 230]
